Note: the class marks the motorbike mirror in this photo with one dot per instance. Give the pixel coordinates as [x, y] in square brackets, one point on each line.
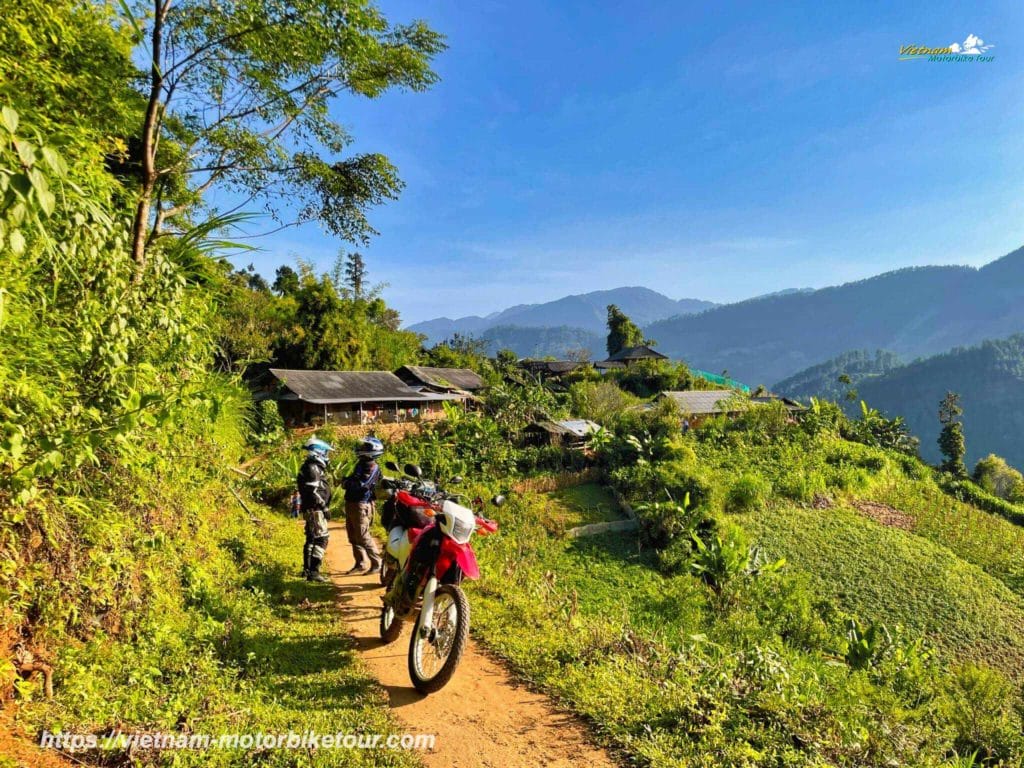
[413, 470]
[392, 466]
[498, 500]
[456, 480]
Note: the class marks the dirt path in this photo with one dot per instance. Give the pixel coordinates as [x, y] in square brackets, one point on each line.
[482, 717]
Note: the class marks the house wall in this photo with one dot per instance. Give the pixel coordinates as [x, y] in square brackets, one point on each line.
[298, 413]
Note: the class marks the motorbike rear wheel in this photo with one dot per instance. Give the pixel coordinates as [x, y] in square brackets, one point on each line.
[434, 654]
[390, 624]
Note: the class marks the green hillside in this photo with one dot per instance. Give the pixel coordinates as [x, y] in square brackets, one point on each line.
[823, 380]
[539, 343]
[792, 597]
[988, 377]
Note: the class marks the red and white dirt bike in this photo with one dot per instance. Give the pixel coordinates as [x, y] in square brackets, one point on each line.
[427, 556]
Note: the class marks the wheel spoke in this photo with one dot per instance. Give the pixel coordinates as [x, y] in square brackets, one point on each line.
[432, 651]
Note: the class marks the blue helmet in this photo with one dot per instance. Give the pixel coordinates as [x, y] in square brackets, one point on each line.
[318, 449]
[370, 448]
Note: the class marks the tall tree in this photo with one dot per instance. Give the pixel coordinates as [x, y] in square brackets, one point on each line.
[237, 96]
[622, 332]
[355, 273]
[951, 439]
[286, 281]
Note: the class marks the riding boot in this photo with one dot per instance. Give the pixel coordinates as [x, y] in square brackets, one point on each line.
[314, 570]
[305, 559]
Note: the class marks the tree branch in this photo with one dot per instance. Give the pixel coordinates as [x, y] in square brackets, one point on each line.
[150, 128]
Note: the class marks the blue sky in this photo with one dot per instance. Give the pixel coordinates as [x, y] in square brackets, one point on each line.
[714, 151]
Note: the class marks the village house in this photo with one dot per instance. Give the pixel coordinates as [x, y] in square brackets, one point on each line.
[551, 368]
[629, 355]
[442, 380]
[698, 405]
[353, 398]
[567, 433]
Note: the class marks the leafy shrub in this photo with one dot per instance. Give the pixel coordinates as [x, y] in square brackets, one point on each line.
[600, 401]
[765, 423]
[721, 557]
[965, 490]
[823, 417]
[873, 429]
[267, 424]
[549, 458]
[844, 478]
[789, 605]
[671, 528]
[981, 708]
[680, 479]
[866, 646]
[748, 493]
[801, 485]
[636, 482]
[998, 478]
[913, 468]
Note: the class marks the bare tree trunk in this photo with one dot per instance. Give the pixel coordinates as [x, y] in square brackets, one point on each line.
[150, 139]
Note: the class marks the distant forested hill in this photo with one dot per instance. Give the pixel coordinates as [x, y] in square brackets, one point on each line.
[912, 312]
[587, 311]
[543, 342]
[823, 380]
[989, 378]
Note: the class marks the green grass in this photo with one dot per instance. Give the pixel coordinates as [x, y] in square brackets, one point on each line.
[581, 505]
[251, 648]
[674, 674]
[888, 575]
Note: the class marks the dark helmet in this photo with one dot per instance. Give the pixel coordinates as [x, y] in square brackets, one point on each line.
[370, 448]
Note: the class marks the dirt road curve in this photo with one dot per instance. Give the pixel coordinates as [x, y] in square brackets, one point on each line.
[482, 717]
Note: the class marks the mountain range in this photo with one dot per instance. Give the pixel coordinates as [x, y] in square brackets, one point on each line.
[586, 312]
[914, 312]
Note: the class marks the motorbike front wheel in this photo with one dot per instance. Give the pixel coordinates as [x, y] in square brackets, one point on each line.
[435, 653]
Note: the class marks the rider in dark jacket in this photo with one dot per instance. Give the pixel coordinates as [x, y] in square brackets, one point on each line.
[360, 491]
[315, 490]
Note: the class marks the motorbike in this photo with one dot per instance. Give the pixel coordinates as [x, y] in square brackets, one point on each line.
[427, 556]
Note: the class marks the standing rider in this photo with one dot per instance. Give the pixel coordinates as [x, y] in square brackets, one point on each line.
[360, 488]
[315, 490]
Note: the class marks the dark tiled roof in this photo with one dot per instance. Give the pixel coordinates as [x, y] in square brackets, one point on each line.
[551, 366]
[350, 387]
[699, 403]
[642, 352]
[441, 378]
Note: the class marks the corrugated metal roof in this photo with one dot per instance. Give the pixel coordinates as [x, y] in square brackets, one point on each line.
[642, 352]
[548, 426]
[698, 403]
[788, 403]
[442, 378]
[324, 387]
[579, 427]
